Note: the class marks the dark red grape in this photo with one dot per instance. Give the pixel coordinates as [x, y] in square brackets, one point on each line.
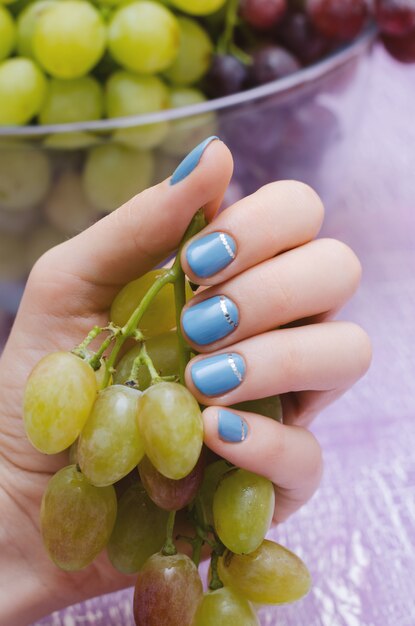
[169, 494]
[263, 14]
[272, 62]
[338, 19]
[168, 591]
[299, 36]
[401, 48]
[395, 17]
[226, 76]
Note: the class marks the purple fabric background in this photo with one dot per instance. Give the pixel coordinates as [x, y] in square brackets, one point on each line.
[358, 533]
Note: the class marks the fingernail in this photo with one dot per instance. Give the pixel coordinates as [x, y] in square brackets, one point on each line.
[231, 427]
[210, 254]
[210, 320]
[218, 374]
[189, 163]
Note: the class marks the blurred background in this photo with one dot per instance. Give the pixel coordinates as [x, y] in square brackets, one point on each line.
[295, 95]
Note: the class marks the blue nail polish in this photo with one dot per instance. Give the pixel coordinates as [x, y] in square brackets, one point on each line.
[231, 427]
[189, 163]
[210, 254]
[218, 374]
[210, 320]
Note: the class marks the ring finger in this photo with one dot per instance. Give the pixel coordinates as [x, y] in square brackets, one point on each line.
[319, 357]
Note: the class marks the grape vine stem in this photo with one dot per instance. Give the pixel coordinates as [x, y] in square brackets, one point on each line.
[171, 276]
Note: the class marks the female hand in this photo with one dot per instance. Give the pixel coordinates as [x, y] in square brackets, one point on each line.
[264, 272]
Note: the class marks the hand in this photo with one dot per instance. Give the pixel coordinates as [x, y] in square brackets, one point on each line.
[71, 289]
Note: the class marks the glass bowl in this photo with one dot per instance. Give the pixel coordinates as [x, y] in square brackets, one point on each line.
[57, 180]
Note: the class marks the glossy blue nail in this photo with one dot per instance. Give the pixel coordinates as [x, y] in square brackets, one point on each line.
[210, 320]
[210, 254]
[231, 427]
[189, 163]
[218, 374]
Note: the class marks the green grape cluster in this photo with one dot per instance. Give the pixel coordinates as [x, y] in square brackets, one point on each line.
[78, 60]
[134, 435]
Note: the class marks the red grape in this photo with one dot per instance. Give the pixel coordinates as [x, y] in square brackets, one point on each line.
[401, 48]
[167, 493]
[263, 14]
[271, 63]
[299, 36]
[168, 591]
[226, 76]
[338, 19]
[395, 17]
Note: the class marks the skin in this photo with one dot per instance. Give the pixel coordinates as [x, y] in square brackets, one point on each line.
[71, 289]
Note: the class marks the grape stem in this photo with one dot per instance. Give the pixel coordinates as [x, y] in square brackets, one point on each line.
[198, 222]
[215, 581]
[169, 276]
[169, 548]
[144, 358]
[81, 349]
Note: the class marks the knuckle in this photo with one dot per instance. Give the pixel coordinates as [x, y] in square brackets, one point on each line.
[308, 197]
[292, 360]
[315, 463]
[276, 449]
[344, 257]
[361, 346]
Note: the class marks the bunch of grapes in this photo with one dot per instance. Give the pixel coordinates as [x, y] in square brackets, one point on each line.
[73, 61]
[135, 438]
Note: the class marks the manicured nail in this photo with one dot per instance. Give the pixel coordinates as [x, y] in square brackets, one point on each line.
[218, 374]
[231, 427]
[189, 163]
[210, 254]
[210, 320]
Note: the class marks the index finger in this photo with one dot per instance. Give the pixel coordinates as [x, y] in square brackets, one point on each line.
[278, 217]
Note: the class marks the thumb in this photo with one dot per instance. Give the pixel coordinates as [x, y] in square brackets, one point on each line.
[142, 232]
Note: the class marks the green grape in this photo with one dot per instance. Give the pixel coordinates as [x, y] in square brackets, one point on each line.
[26, 24]
[224, 607]
[168, 494]
[69, 38]
[114, 174]
[7, 33]
[128, 94]
[22, 91]
[195, 53]
[67, 207]
[171, 423]
[139, 531]
[212, 476]
[68, 101]
[110, 445]
[144, 37]
[42, 238]
[270, 575]
[160, 315]
[187, 132]
[58, 399]
[269, 407]
[76, 519]
[12, 257]
[168, 591]
[25, 176]
[71, 141]
[163, 350]
[243, 506]
[198, 7]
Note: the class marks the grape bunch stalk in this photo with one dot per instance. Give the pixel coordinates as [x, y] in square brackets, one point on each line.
[134, 434]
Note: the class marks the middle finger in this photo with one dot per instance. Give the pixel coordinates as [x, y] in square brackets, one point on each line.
[318, 277]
